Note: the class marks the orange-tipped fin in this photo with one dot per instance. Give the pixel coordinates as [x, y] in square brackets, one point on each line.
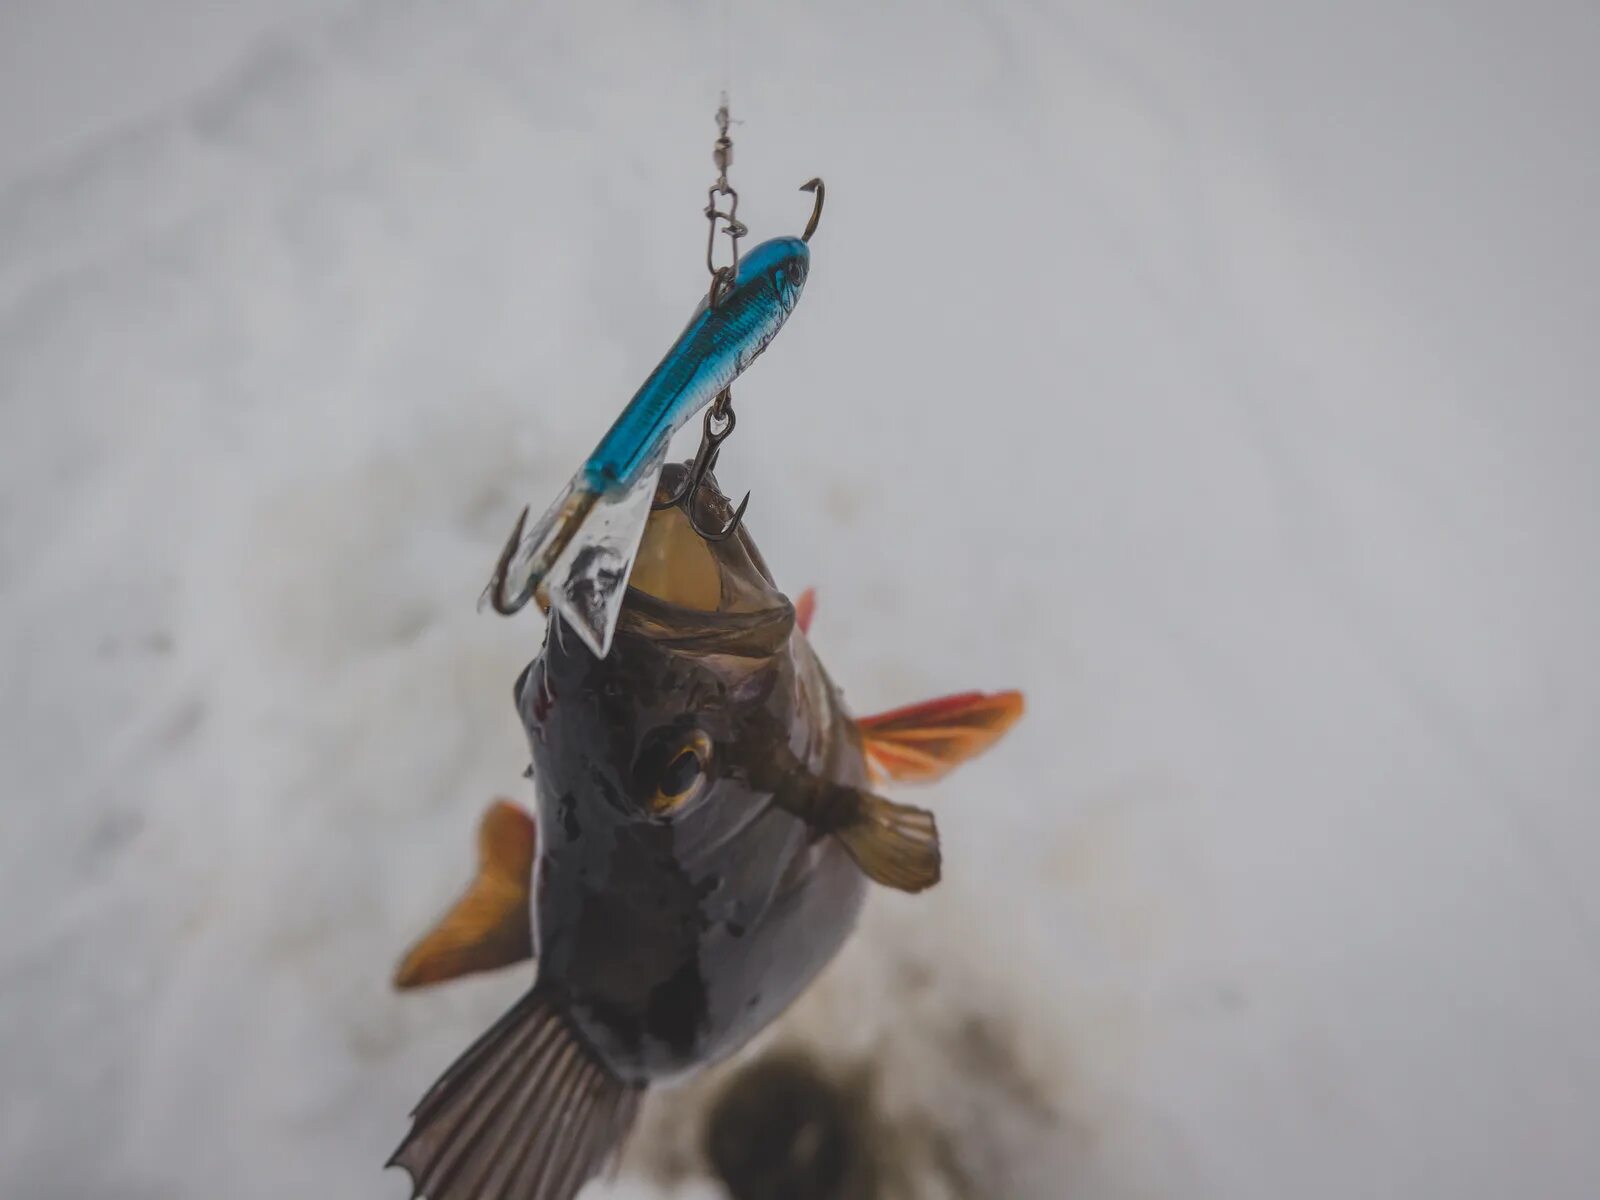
[491, 925]
[923, 742]
[805, 607]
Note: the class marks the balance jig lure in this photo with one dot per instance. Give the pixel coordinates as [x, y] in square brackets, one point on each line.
[576, 558]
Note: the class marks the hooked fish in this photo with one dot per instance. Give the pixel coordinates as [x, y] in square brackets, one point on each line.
[707, 822]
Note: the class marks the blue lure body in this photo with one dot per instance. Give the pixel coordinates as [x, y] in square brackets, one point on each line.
[713, 351]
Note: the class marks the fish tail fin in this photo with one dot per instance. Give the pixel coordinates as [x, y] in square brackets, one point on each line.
[894, 844]
[923, 742]
[528, 1113]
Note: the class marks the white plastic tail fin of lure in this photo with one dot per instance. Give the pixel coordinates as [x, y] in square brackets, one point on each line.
[583, 578]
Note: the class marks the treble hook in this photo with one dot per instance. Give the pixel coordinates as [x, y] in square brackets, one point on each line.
[815, 187]
[705, 459]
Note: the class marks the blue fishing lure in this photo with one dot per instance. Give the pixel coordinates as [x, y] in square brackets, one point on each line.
[578, 556]
[713, 351]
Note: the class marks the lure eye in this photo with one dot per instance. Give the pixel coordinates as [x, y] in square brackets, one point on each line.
[682, 775]
[788, 280]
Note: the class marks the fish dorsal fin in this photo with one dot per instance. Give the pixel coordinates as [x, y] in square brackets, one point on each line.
[491, 925]
[923, 742]
[893, 844]
[805, 607]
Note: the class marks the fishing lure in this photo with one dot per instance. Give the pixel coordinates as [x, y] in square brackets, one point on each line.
[576, 558]
[707, 822]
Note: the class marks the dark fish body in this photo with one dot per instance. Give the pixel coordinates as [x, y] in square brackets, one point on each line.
[673, 940]
[704, 838]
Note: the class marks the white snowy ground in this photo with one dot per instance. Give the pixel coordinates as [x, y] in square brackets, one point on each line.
[1221, 374]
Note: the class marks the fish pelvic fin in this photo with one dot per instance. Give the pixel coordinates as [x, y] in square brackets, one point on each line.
[924, 742]
[491, 925]
[528, 1113]
[896, 845]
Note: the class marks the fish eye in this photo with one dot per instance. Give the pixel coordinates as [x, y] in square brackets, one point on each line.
[681, 775]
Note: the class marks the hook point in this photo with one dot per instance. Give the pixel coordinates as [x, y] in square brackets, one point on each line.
[816, 188]
[727, 530]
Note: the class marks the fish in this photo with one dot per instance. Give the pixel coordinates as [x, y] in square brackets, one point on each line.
[576, 557]
[706, 828]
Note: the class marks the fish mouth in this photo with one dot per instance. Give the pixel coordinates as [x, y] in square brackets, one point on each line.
[701, 597]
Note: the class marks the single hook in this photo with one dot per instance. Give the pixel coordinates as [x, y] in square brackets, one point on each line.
[555, 537]
[816, 189]
[498, 600]
[705, 460]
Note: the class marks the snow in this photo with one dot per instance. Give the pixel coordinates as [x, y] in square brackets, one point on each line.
[1220, 375]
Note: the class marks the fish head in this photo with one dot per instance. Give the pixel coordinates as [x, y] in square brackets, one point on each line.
[672, 726]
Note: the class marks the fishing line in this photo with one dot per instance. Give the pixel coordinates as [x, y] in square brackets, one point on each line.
[727, 49]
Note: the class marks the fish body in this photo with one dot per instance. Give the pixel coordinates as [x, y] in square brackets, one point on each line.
[704, 837]
[672, 939]
[578, 555]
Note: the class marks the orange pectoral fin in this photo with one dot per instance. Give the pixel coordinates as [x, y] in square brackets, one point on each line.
[923, 742]
[491, 925]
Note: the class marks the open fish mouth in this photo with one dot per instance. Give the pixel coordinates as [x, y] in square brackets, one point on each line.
[698, 596]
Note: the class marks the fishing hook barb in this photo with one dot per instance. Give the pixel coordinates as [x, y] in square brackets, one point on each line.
[705, 460]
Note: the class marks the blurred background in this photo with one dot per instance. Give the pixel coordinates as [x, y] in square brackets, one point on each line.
[1222, 375]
